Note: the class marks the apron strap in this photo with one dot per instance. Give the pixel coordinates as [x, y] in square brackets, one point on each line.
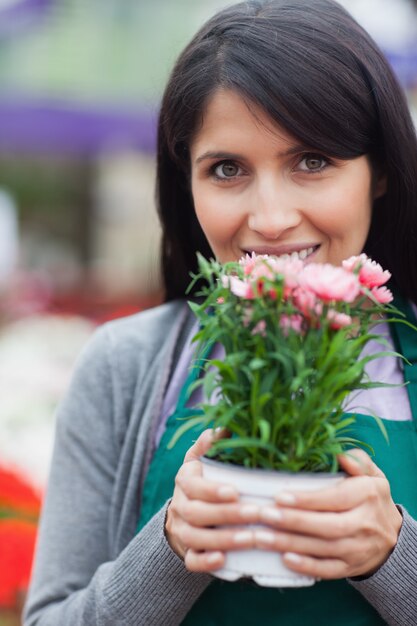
[405, 341]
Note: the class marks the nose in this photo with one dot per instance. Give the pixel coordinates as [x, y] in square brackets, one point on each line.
[273, 209]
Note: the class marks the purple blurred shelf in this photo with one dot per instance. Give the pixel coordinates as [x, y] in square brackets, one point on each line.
[56, 127]
[21, 14]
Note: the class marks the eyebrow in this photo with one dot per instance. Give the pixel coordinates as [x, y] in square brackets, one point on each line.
[209, 155]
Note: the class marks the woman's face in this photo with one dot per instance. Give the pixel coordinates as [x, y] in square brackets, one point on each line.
[257, 189]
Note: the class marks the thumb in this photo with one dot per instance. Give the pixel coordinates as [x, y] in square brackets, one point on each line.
[357, 462]
[201, 446]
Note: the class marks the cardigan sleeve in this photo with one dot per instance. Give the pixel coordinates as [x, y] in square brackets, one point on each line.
[392, 589]
[75, 580]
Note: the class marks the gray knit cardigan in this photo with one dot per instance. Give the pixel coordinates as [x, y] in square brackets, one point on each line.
[90, 568]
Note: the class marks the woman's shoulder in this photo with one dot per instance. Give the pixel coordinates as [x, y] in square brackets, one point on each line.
[130, 338]
[149, 325]
[122, 351]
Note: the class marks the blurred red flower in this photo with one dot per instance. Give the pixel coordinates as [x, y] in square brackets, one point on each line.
[19, 512]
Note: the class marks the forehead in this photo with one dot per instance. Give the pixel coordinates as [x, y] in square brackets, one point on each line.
[229, 118]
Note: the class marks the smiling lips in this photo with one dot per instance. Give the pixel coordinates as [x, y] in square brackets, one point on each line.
[285, 253]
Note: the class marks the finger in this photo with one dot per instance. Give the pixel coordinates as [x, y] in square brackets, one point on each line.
[199, 488]
[201, 446]
[347, 494]
[204, 561]
[190, 480]
[357, 462]
[342, 549]
[325, 569]
[198, 513]
[327, 525]
[221, 433]
[214, 539]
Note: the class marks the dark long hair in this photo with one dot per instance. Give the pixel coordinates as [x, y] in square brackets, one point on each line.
[320, 76]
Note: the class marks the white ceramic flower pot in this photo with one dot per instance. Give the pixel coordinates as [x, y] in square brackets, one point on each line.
[259, 486]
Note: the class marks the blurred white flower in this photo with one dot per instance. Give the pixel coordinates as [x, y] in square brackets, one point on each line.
[37, 355]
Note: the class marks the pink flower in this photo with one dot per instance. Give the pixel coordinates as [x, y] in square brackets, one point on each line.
[291, 322]
[354, 262]
[284, 266]
[247, 315]
[382, 295]
[370, 272]
[262, 269]
[257, 265]
[265, 266]
[305, 300]
[220, 300]
[248, 262]
[372, 275]
[240, 288]
[330, 283]
[259, 328]
[338, 320]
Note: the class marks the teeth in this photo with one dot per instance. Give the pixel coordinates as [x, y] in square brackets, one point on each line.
[301, 254]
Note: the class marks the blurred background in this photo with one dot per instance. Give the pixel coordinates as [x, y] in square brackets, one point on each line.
[80, 84]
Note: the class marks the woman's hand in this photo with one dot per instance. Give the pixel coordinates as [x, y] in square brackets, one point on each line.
[344, 531]
[198, 506]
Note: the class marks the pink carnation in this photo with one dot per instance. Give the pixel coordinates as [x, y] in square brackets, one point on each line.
[338, 320]
[370, 272]
[248, 262]
[285, 267]
[291, 322]
[330, 283]
[268, 267]
[354, 262]
[240, 288]
[260, 328]
[372, 275]
[260, 267]
[247, 315]
[305, 300]
[382, 295]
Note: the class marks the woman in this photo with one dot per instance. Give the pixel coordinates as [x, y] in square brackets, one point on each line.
[283, 131]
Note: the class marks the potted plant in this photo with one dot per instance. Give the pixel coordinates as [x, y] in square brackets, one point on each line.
[293, 336]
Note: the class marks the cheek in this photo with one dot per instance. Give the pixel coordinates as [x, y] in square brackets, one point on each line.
[217, 226]
[345, 210]
[218, 219]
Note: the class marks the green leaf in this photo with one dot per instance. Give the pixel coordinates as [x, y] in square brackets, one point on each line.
[257, 364]
[201, 420]
[243, 442]
[265, 430]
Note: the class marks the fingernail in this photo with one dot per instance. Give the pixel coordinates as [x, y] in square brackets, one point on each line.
[285, 498]
[244, 536]
[249, 510]
[264, 536]
[214, 557]
[270, 514]
[226, 493]
[292, 557]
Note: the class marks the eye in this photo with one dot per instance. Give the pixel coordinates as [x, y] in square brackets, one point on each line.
[312, 163]
[226, 170]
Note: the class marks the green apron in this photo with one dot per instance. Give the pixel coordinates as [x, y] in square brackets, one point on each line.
[327, 602]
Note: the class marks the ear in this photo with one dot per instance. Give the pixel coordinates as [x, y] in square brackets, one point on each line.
[380, 187]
